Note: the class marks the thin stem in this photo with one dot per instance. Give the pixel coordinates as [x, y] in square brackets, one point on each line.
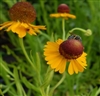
[42, 92]
[77, 29]
[63, 29]
[5, 68]
[45, 35]
[47, 90]
[61, 80]
[25, 53]
[1, 92]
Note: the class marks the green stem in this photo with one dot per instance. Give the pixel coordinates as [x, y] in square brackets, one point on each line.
[42, 92]
[29, 60]
[25, 53]
[63, 28]
[5, 68]
[47, 90]
[1, 92]
[77, 29]
[61, 80]
[45, 35]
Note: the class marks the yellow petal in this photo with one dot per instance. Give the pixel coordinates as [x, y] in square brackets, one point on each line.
[20, 30]
[31, 31]
[63, 15]
[22, 34]
[51, 48]
[52, 44]
[74, 66]
[63, 67]
[37, 27]
[70, 69]
[55, 64]
[52, 56]
[79, 67]
[6, 24]
[60, 64]
[82, 62]
[84, 54]
[13, 27]
[46, 53]
[25, 25]
[54, 60]
[59, 41]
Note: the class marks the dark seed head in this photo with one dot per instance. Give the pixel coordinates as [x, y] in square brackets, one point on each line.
[23, 12]
[63, 8]
[71, 49]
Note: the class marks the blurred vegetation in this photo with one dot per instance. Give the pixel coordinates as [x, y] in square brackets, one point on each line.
[83, 84]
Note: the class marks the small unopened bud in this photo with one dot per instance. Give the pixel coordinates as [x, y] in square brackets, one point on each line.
[88, 32]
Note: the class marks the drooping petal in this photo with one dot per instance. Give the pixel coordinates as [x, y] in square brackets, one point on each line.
[13, 27]
[59, 66]
[38, 27]
[70, 69]
[63, 15]
[82, 60]
[74, 66]
[55, 62]
[22, 34]
[63, 67]
[31, 31]
[79, 67]
[5, 25]
[20, 30]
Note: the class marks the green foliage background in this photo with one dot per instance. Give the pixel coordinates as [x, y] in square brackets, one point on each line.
[83, 84]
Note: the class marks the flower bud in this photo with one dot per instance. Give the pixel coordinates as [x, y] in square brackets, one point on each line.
[88, 32]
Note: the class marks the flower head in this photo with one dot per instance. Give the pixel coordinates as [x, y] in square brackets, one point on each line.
[57, 54]
[63, 11]
[22, 15]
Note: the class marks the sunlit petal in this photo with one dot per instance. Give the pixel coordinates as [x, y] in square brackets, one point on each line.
[79, 67]
[63, 15]
[74, 66]
[21, 28]
[63, 67]
[6, 24]
[70, 69]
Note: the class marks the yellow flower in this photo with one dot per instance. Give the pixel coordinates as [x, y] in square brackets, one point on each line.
[21, 28]
[63, 15]
[22, 15]
[57, 58]
[63, 11]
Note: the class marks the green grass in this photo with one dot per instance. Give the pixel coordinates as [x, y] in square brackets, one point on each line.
[19, 78]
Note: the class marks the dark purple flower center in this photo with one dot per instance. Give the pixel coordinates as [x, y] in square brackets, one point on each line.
[63, 8]
[71, 49]
[23, 12]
